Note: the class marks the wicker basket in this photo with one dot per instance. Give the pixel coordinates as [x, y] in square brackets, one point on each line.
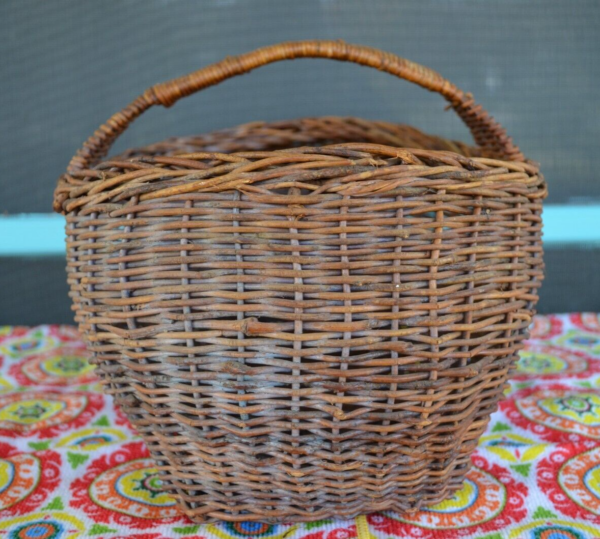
[306, 318]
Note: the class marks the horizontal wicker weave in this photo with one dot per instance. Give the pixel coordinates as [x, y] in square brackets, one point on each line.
[305, 318]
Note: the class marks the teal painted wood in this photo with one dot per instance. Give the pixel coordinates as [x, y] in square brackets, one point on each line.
[41, 234]
[571, 224]
[32, 234]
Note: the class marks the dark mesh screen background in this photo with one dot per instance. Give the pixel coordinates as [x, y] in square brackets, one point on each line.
[67, 65]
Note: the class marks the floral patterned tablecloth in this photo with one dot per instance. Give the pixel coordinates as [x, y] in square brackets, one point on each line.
[71, 465]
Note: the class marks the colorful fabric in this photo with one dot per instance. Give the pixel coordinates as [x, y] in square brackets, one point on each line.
[71, 465]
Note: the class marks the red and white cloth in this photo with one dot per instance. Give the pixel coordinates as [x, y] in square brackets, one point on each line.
[71, 465]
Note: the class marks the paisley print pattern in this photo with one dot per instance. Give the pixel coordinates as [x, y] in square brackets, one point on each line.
[61, 367]
[547, 362]
[18, 478]
[557, 413]
[249, 530]
[571, 478]
[545, 327]
[124, 487]
[512, 447]
[55, 525]
[579, 340]
[45, 413]
[72, 467]
[26, 479]
[580, 479]
[554, 529]
[489, 500]
[24, 343]
[587, 321]
[89, 439]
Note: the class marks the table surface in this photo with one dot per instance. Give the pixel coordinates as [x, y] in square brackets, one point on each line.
[72, 466]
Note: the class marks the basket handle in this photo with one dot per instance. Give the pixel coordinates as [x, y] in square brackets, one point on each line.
[487, 133]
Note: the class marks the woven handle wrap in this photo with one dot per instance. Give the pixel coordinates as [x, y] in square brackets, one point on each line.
[487, 133]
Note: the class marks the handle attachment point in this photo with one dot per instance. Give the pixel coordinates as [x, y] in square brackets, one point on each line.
[487, 133]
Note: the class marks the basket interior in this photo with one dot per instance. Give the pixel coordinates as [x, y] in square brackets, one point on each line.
[267, 136]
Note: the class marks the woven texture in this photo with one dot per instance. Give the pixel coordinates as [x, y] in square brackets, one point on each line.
[308, 318]
[77, 469]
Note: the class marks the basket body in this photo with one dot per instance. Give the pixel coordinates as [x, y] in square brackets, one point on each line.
[317, 321]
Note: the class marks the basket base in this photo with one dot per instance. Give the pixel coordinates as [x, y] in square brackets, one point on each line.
[397, 503]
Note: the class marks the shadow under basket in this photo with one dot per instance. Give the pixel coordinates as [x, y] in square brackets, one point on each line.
[307, 318]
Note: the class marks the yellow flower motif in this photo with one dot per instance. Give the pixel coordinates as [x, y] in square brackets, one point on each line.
[562, 528]
[512, 448]
[92, 438]
[46, 524]
[580, 340]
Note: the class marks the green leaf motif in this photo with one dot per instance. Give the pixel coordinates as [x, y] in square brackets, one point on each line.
[101, 422]
[523, 469]
[97, 529]
[186, 530]
[541, 512]
[317, 524]
[498, 427]
[55, 505]
[39, 446]
[75, 459]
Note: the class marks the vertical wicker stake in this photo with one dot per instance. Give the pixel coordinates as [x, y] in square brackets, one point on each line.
[306, 318]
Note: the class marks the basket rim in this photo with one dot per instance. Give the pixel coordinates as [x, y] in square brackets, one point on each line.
[76, 189]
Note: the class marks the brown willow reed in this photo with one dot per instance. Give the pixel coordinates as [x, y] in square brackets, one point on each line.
[305, 318]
